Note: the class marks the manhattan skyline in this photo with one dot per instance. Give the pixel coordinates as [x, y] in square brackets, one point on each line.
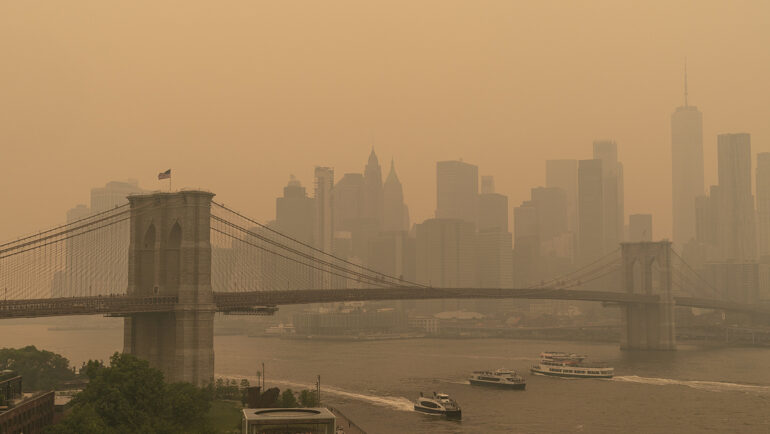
[75, 118]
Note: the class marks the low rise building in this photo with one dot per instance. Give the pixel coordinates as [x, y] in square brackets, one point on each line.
[27, 413]
[288, 420]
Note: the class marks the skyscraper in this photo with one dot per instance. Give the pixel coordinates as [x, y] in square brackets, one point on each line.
[295, 217]
[295, 212]
[394, 211]
[612, 195]
[763, 205]
[86, 271]
[113, 194]
[446, 251]
[494, 252]
[373, 190]
[736, 233]
[706, 228]
[526, 245]
[564, 174]
[639, 227]
[457, 189]
[487, 184]
[551, 204]
[591, 210]
[686, 168]
[493, 208]
[348, 205]
[324, 221]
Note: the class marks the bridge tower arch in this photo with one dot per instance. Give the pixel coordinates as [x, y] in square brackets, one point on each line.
[170, 255]
[647, 270]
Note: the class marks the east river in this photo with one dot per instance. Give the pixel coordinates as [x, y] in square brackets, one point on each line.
[694, 389]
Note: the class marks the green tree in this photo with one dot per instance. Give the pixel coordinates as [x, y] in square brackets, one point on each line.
[219, 388]
[129, 396]
[288, 400]
[82, 420]
[40, 369]
[308, 398]
[187, 404]
[244, 391]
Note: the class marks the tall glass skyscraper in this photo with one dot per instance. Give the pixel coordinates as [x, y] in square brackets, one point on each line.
[686, 169]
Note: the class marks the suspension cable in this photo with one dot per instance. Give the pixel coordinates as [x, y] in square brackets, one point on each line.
[313, 248]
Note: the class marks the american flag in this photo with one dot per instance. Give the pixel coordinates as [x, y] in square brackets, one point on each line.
[165, 175]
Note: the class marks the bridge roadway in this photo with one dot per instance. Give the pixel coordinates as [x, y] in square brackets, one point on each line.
[254, 302]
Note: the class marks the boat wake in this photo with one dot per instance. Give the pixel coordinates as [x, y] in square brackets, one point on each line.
[711, 386]
[392, 402]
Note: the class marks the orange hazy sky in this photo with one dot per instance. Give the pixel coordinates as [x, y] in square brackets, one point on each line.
[236, 95]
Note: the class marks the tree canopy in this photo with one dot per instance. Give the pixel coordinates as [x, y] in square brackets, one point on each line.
[40, 369]
[129, 396]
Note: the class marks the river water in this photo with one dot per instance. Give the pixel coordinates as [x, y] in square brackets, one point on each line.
[695, 389]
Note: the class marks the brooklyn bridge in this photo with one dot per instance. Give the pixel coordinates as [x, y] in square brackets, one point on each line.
[167, 262]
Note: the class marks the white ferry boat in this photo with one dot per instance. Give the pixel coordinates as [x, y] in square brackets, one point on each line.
[504, 378]
[570, 365]
[439, 404]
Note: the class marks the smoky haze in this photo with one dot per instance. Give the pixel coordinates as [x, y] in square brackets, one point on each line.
[236, 96]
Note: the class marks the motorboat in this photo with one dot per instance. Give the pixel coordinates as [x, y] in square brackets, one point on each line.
[439, 404]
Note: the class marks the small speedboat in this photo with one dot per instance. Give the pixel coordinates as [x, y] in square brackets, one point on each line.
[504, 378]
[439, 404]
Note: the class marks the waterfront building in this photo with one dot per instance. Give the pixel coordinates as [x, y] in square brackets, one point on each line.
[457, 189]
[351, 322]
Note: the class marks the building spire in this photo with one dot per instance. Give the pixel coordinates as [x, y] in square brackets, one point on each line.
[392, 176]
[685, 82]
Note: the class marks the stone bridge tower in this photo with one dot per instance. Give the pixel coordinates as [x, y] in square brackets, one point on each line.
[647, 270]
[170, 255]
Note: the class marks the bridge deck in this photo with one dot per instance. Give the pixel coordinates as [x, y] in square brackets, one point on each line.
[246, 301]
[232, 300]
